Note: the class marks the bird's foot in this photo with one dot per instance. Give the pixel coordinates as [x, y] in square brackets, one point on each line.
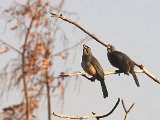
[126, 73]
[92, 79]
[139, 65]
[118, 71]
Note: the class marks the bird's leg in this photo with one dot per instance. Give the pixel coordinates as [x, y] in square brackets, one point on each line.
[127, 73]
[119, 71]
[138, 65]
[92, 79]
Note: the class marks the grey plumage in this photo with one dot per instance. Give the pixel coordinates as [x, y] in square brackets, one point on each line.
[122, 62]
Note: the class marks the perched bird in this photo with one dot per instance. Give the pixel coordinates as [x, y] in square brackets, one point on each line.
[91, 66]
[122, 62]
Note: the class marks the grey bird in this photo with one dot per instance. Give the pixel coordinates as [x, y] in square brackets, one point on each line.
[122, 62]
[91, 66]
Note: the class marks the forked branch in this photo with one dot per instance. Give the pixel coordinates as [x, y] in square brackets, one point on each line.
[125, 110]
[87, 117]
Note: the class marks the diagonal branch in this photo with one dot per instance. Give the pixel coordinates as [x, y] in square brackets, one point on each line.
[143, 70]
[80, 27]
[148, 73]
[125, 110]
[10, 46]
[87, 117]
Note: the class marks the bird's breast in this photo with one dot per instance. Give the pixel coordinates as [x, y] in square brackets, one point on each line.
[88, 68]
[113, 60]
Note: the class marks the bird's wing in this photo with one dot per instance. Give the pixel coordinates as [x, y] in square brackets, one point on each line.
[98, 68]
[119, 60]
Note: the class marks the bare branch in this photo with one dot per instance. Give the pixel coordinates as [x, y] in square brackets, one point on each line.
[86, 117]
[80, 27]
[147, 73]
[125, 110]
[48, 93]
[111, 110]
[143, 70]
[84, 74]
[26, 92]
[150, 75]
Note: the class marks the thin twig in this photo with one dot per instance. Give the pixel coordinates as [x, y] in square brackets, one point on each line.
[95, 114]
[70, 48]
[125, 110]
[87, 117]
[80, 27]
[10, 46]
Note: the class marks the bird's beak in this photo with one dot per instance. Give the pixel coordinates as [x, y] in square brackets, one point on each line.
[108, 46]
[85, 46]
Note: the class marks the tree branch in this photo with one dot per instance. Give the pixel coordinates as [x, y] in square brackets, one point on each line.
[48, 93]
[86, 117]
[125, 110]
[80, 27]
[26, 92]
[143, 70]
[148, 73]
[84, 74]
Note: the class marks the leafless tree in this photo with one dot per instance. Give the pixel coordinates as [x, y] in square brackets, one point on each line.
[32, 70]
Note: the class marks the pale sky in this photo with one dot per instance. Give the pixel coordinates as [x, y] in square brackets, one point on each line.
[133, 26]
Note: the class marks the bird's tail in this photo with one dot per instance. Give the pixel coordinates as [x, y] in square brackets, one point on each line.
[135, 78]
[104, 89]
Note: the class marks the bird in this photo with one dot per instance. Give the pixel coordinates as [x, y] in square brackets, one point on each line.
[91, 66]
[122, 62]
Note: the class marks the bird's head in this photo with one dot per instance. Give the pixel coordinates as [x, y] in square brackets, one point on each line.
[86, 50]
[110, 48]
